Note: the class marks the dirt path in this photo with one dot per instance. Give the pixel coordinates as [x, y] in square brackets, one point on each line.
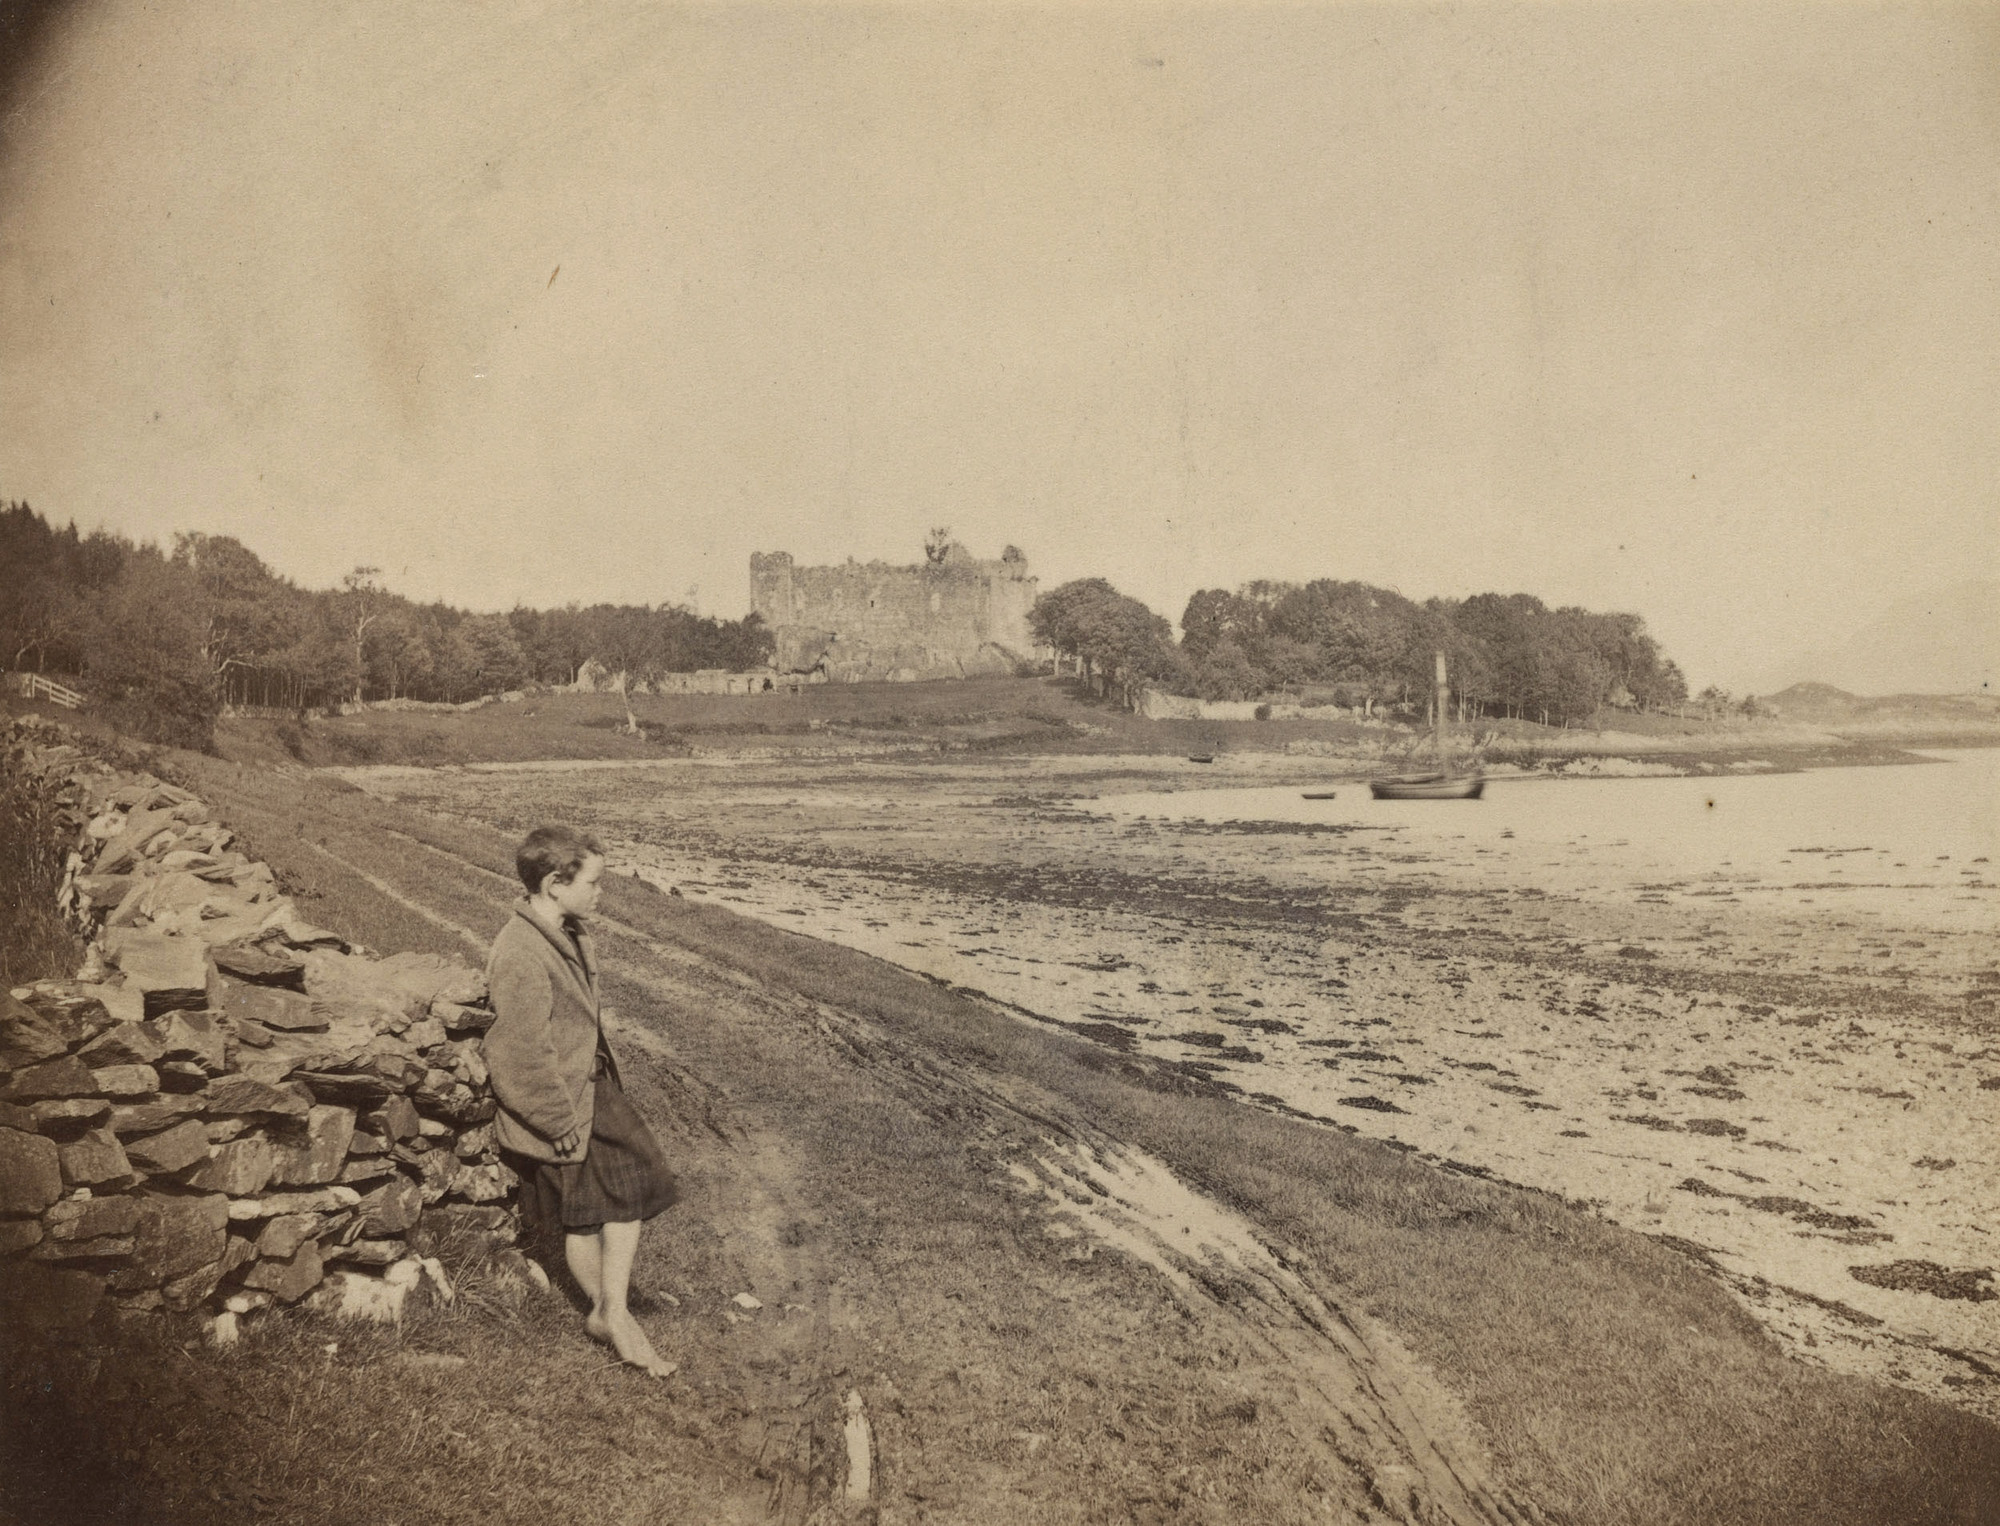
[1391, 1425]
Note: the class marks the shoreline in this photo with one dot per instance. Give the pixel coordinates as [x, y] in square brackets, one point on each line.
[1297, 765]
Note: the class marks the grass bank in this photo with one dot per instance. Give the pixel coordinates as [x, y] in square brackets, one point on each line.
[36, 941]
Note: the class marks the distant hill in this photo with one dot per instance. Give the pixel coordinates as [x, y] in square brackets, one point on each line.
[1946, 641]
[1817, 704]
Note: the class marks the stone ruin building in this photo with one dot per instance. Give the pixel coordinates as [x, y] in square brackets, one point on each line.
[953, 616]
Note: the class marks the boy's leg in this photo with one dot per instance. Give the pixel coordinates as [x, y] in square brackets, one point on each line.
[584, 1252]
[621, 1246]
[541, 1213]
[609, 1318]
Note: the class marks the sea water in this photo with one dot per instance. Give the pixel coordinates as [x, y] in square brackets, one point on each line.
[1929, 829]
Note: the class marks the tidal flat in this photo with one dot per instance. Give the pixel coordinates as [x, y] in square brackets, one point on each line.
[1756, 1016]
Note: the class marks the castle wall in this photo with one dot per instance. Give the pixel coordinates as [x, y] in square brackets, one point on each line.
[954, 618]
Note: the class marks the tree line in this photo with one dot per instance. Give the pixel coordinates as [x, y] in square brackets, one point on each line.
[167, 637]
[1508, 654]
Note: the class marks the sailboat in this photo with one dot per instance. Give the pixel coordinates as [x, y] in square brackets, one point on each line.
[1442, 785]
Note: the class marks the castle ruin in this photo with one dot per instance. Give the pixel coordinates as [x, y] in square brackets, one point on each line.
[953, 616]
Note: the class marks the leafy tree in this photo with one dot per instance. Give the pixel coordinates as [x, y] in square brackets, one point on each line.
[1213, 616]
[551, 641]
[143, 653]
[45, 574]
[1362, 634]
[498, 662]
[1502, 650]
[1113, 638]
[43, 616]
[1502, 628]
[1714, 702]
[400, 660]
[456, 663]
[238, 605]
[318, 667]
[1664, 689]
[629, 641]
[1062, 619]
[362, 607]
[744, 644]
[1224, 672]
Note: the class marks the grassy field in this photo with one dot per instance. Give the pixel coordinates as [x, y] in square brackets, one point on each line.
[977, 713]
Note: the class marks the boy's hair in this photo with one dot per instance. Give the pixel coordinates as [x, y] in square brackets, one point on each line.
[553, 850]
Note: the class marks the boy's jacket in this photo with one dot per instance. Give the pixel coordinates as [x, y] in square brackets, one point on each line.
[542, 1046]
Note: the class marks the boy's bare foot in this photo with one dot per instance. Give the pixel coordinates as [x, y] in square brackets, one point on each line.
[630, 1342]
[595, 1327]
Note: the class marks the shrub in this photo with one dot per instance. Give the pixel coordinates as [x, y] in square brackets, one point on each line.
[143, 656]
[36, 943]
[291, 735]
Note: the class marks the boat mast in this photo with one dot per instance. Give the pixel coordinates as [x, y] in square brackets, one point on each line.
[1438, 718]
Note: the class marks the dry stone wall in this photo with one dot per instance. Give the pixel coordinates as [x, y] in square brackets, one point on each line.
[228, 1108]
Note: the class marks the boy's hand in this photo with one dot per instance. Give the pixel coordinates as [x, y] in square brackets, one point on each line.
[568, 1143]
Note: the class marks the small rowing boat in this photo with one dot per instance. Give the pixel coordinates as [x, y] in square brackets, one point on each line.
[1318, 794]
[1429, 787]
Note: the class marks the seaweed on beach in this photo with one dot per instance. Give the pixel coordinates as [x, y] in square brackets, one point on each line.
[1719, 1128]
[1261, 1024]
[1371, 1104]
[1805, 1213]
[1648, 1121]
[1975, 1284]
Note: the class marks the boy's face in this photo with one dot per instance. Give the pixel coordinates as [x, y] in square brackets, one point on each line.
[577, 898]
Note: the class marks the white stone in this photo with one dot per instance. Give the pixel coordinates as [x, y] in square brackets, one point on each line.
[860, 1448]
[355, 1295]
[434, 1269]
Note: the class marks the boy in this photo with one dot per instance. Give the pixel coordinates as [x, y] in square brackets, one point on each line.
[589, 1166]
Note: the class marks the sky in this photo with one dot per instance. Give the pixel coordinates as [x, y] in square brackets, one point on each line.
[1687, 310]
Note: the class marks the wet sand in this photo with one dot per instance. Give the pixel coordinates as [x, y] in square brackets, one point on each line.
[1786, 1062]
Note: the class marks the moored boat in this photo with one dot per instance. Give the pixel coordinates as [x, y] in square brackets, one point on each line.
[1445, 784]
[1429, 787]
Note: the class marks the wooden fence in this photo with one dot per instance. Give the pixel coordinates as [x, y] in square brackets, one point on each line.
[35, 686]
